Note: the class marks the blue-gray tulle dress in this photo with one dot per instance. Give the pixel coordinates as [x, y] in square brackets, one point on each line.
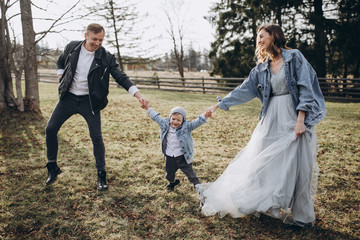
[275, 174]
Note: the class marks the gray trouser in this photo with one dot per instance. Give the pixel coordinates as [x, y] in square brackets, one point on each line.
[65, 108]
[174, 163]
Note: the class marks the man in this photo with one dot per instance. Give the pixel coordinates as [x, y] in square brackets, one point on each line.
[83, 70]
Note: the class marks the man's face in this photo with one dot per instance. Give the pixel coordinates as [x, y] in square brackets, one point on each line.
[94, 40]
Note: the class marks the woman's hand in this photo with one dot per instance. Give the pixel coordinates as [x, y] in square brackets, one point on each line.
[300, 126]
[299, 129]
[211, 110]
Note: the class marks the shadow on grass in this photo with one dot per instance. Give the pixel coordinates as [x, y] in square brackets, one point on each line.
[28, 209]
[272, 227]
[132, 208]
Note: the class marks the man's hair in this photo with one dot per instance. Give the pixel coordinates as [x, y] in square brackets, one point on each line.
[95, 28]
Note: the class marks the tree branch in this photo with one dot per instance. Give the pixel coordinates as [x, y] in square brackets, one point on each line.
[54, 23]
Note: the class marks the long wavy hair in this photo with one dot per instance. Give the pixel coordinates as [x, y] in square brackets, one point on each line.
[279, 41]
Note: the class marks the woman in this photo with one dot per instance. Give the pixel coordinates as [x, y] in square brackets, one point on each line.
[276, 173]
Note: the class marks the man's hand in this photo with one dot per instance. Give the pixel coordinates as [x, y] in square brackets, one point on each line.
[142, 100]
[145, 105]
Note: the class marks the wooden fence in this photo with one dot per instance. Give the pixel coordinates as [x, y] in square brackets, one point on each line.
[341, 89]
[334, 89]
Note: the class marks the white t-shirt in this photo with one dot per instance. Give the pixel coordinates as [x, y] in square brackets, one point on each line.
[79, 84]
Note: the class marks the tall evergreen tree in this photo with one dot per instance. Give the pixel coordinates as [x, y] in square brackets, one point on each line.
[237, 22]
[314, 42]
[232, 51]
[347, 37]
[193, 58]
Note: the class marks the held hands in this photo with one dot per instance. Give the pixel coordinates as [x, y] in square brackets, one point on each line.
[207, 114]
[145, 105]
[210, 111]
[142, 100]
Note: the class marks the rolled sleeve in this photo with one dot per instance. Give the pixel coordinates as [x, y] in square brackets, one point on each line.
[306, 75]
[60, 71]
[203, 117]
[151, 112]
[133, 89]
[223, 106]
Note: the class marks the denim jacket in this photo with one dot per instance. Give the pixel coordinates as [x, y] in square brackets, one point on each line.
[301, 81]
[183, 133]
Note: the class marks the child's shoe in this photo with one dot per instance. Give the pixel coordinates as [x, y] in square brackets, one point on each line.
[171, 185]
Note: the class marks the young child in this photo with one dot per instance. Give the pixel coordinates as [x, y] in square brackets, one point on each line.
[177, 143]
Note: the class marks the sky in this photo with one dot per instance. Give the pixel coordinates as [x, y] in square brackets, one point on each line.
[152, 25]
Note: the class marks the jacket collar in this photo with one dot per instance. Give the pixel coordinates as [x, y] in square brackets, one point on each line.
[286, 54]
[265, 66]
[98, 53]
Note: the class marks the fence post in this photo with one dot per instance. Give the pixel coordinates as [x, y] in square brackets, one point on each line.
[157, 82]
[203, 84]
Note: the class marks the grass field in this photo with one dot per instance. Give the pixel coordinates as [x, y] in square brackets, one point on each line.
[137, 205]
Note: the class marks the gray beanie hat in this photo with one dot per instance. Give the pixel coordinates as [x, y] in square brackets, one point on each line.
[178, 110]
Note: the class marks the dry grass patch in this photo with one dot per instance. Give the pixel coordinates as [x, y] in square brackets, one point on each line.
[137, 205]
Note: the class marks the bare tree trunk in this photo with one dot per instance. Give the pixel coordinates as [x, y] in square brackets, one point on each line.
[179, 53]
[32, 102]
[113, 18]
[7, 98]
[356, 71]
[20, 99]
[278, 15]
[10, 49]
[2, 88]
[2, 59]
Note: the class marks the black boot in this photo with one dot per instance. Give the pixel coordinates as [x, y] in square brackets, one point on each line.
[171, 185]
[101, 185]
[53, 172]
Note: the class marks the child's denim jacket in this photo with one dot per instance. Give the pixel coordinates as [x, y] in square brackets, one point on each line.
[301, 81]
[183, 133]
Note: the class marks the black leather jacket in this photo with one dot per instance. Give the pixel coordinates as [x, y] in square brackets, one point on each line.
[103, 65]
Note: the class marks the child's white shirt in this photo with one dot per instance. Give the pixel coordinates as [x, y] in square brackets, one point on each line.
[173, 146]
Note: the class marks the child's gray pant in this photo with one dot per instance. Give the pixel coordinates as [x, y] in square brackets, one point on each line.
[174, 163]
